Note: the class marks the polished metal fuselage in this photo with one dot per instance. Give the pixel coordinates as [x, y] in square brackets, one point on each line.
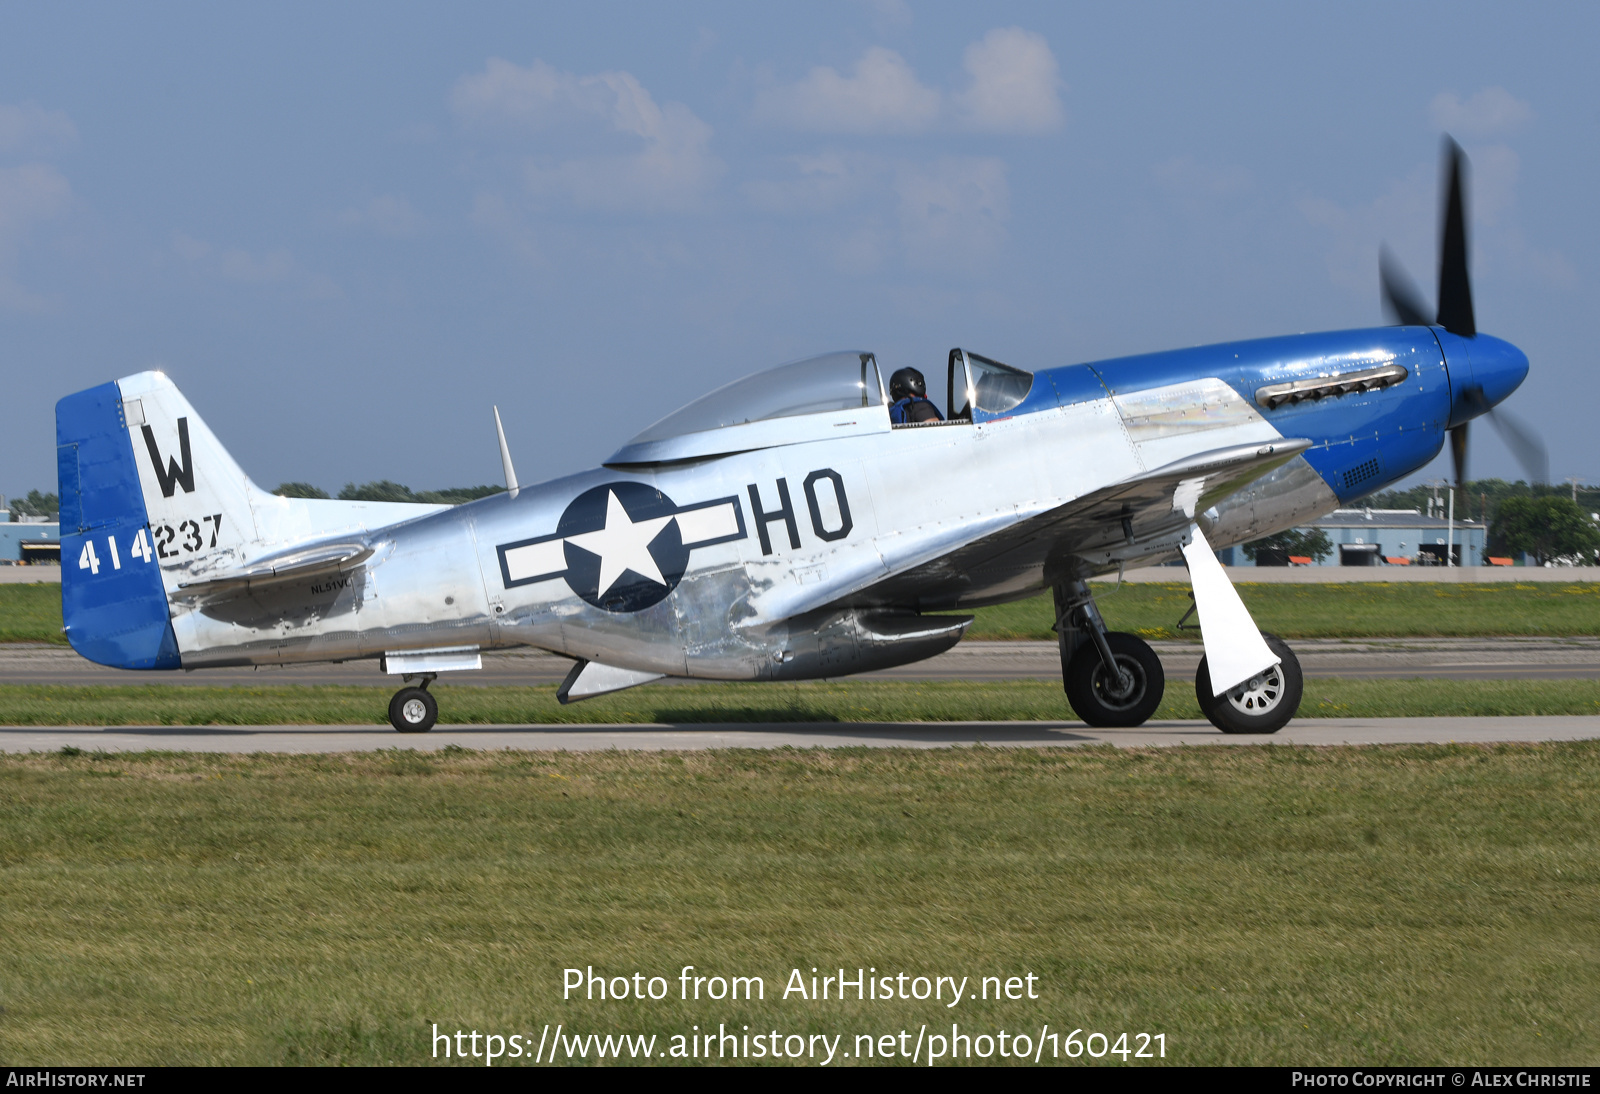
[770, 606]
[788, 546]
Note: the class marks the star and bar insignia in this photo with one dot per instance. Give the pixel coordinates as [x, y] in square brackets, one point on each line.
[623, 546]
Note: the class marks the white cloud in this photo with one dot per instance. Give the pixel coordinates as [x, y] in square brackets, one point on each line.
[29, 195]
[273, 267]
[34, 130]
[31, 192]
[387, 215]
[234, 263]
[534, 97]
[704, 42]
[670, 172]
[883, 95]
[1546, 265]
[820, 183]
[1405, 216]
[889, 16]
[949, 213]
[666, 162]
[1501, 244]
[1492, 183]
[1015, 84]
[953, 212]
[1492, 112]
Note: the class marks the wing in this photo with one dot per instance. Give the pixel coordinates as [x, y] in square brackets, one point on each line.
[1138, 518]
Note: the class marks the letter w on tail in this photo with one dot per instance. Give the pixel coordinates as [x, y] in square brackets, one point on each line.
[172, 476]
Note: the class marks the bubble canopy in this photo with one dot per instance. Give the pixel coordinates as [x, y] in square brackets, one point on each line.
[816, 385]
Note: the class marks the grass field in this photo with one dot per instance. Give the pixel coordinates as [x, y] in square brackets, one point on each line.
[33, 612]
[840, 701]
[1425, 904]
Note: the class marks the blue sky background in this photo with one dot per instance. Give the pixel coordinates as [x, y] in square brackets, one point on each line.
[347, 230]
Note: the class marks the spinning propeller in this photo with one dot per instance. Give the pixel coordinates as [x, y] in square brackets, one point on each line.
[1405, 306]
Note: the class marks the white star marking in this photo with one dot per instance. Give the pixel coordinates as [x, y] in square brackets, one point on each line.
[623, 544]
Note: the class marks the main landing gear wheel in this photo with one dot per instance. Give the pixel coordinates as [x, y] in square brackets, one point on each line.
[1262, 704]
[413, 710]
[1100, 697]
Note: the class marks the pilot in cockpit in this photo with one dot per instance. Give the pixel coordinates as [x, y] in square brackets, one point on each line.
[909, 402]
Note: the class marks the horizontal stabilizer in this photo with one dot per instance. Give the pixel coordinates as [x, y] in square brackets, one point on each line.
[590, 678]
[300, 564]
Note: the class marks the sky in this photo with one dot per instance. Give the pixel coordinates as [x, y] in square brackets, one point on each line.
[346, 231]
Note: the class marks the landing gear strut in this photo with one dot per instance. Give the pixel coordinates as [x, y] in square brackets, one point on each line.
[1111, 678]
[414, 710]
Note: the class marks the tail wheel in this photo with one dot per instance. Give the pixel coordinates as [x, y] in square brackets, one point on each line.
[1262, 704]
[413, 710]
[1100, 698]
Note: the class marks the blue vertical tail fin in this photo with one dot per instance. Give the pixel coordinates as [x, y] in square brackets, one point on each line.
[112, 597]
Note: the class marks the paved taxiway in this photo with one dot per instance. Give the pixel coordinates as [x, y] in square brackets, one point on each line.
[1458, 658]
[585, 738]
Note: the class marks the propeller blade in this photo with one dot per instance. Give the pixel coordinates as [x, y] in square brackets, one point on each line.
[1401, 300]
[1458, 452]
[1455, 288]
[1525, 445]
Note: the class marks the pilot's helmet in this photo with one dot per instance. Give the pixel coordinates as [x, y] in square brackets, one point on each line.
[907, 381]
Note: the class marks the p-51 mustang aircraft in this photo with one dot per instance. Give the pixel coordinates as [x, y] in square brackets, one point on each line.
[785, 527]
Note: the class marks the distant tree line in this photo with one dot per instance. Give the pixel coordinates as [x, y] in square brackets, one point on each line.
[1549, 528]
[34, 504]
[1276, 550]
[384, 490]
[1551, 522]
[37, 504]
[1480, 499]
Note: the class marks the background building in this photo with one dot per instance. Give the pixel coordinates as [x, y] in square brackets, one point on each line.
[1378, 537]
[29, 542]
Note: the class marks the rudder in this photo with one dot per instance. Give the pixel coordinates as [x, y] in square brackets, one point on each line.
[112, 597]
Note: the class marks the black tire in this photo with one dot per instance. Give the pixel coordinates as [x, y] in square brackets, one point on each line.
[413, 710]
[1093, 691]
[1262, 704]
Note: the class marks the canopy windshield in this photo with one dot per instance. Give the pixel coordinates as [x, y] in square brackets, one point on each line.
[834, 381]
